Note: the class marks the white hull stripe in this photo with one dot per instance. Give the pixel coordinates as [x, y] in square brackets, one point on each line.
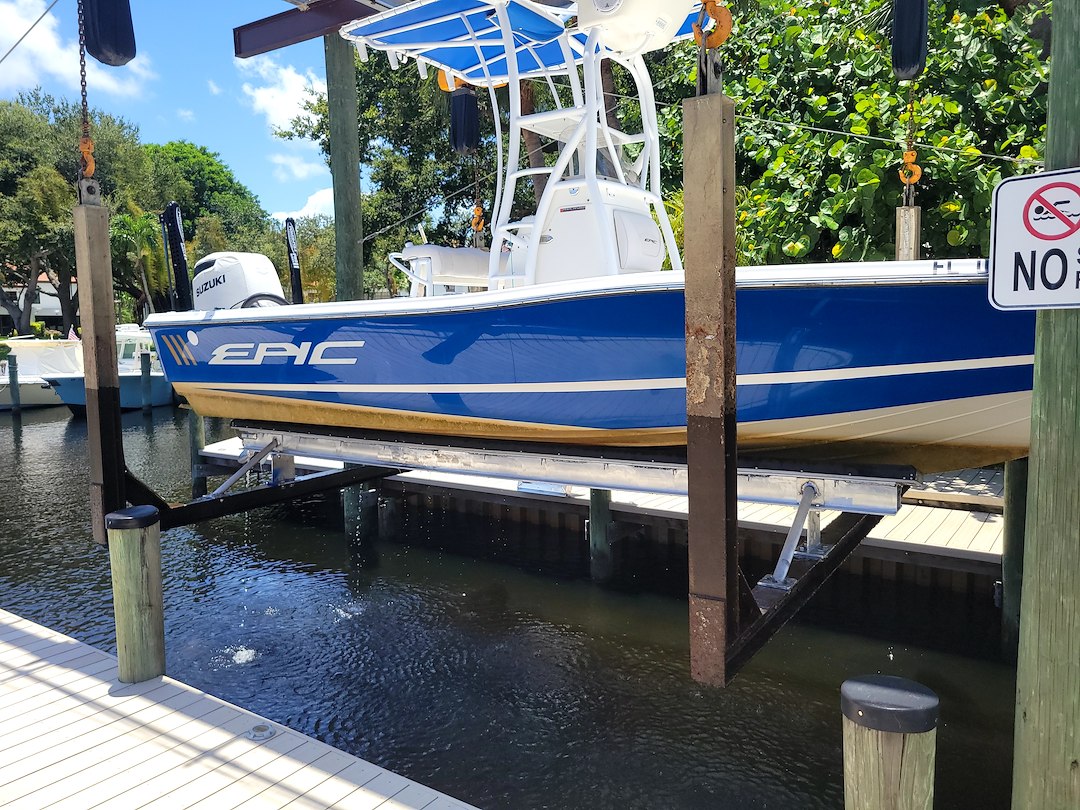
[870, 372]
[664, 383]
[457, 388]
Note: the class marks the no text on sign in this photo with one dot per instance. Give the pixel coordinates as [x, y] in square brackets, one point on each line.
[1035, 242]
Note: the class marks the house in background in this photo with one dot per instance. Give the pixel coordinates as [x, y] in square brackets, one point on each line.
[45, 307]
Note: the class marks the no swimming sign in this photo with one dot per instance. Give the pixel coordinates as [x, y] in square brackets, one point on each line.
[1035, 242]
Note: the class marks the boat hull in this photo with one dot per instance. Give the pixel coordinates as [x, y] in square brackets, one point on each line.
[922, 374]
[33, 393]
[71, 391]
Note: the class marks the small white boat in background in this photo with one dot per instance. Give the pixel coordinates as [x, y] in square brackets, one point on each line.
[131, 342]
[51, 372]
[37, 359]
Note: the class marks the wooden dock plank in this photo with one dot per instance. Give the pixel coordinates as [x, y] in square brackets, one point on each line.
[75, 738]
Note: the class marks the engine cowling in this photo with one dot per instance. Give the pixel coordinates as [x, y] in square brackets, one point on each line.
[227, 280]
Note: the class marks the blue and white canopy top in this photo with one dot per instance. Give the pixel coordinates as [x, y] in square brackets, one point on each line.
[465, 39]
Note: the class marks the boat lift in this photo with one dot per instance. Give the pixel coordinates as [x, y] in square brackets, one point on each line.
[863, 496]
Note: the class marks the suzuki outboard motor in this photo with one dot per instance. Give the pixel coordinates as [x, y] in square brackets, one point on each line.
[232, 280]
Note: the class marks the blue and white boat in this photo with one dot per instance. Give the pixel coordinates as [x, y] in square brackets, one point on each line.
[571, 333]
[69, 385]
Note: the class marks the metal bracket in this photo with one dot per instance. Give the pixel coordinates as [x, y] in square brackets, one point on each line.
[253, 461]
[779, 578]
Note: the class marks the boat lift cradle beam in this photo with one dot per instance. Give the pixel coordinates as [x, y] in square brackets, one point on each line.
[221, 503]
[864, 496]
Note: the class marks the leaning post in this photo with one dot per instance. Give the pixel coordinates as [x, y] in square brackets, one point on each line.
[135, 558]
[1046, 754]
[343, 108]
[709, 230]
[13, 384]
[93, 259]
[890, 743]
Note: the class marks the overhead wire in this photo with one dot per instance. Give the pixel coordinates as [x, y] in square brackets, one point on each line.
[28, 30]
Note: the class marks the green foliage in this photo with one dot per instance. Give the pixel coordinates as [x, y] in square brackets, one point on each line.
[412, 177]
[38, 172]
[811, 195]
[5, 350]
[209, 188]
[38, 328]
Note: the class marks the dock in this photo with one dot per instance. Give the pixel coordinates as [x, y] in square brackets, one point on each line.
[72, 736]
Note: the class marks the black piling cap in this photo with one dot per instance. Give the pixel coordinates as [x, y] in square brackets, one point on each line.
[889, 703]
[134, 517]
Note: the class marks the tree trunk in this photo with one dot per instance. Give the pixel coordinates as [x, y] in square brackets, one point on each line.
[26, 315]
[11, 305]
[611, 101]
[61, 279]
[534, 147]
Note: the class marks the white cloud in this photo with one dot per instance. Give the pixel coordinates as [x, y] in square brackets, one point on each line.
[321, 202]
[185, 115]
[212, 86]
[277, 92]
[45, 54]
[295, 167]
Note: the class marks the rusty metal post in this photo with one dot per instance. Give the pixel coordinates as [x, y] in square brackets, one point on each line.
[709, 221]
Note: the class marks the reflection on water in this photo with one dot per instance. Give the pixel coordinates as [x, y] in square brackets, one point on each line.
[503, 688]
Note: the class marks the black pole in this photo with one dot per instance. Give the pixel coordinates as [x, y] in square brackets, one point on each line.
[294, 261]
[174, 226]
[171, 291]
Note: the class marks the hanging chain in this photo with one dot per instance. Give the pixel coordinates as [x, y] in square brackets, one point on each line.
[86, 144]
[911, 172]
[478, 223]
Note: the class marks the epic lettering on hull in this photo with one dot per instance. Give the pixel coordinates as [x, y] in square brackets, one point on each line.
[327, 353]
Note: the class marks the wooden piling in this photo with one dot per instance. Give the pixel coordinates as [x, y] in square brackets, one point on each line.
[135, 558]
[93, 259]
[601, 561]
[908, 233]
[1046, 759]
[709, 189]
[196, 442]
[13, 384]
[890, 743]
[145, 382]
[1012, 553]
[343, 108]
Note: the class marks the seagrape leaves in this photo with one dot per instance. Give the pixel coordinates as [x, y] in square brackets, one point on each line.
[823, 125]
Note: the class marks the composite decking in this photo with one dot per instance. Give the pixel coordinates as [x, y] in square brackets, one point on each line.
[73, 737]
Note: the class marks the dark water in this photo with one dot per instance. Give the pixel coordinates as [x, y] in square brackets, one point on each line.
[499, 687]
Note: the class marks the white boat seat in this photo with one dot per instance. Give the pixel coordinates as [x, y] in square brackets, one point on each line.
[436, 264]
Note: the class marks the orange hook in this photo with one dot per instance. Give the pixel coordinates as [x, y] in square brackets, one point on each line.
[718, 36]
[86, 147]
[910, 172]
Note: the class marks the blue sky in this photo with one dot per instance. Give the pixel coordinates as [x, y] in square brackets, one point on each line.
[186, 84]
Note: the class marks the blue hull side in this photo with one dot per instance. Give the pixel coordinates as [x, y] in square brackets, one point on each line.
[72, 392]
[617, 362]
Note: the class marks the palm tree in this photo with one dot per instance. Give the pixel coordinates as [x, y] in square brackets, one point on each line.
[139, 235]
